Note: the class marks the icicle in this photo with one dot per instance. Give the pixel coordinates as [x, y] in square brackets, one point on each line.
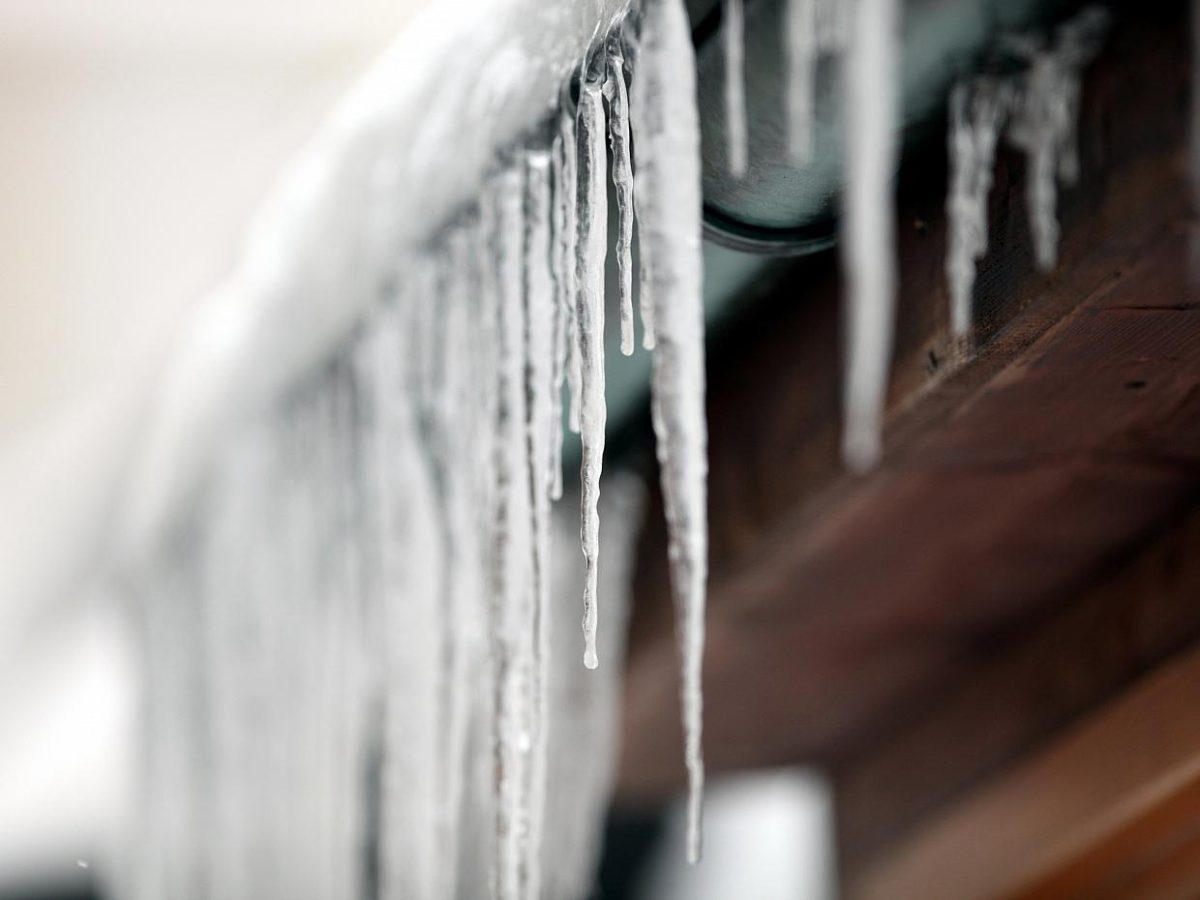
[812, 27]
[666, 127]
[868, 223]
[977, 112]
[1045, 122]
[622, 176]
[561, 266]
[629, 45]
[513, 535]
[733, 40]
[569, 242]
[589, 314]
[542, 432]
[645, 296]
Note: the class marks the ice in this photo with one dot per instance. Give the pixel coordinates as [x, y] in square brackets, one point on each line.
[666, 128]
[617, 93]
[868, 224]
[977, 113]
[811, 28]
[567, 194]
[801, 36]
[733, 42]
[543, 432]
[348, 637]
[1045, 121]
[1036, 109]
[560, 264]
[513, 590]
[590, 253]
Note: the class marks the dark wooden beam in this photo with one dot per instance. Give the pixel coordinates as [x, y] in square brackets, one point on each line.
[1110, 809]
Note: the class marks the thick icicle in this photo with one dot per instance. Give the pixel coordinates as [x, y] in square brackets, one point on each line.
[977, 111]
[868, 224]
[666, 127]
[589, 314]
[733, 28]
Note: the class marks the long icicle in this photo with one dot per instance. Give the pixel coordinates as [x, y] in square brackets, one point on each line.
[667, 131]
[589, 313]
[868, 222]
[513, 534]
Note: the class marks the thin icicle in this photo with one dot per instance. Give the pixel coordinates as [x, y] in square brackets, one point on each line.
[977, 112]
[733, 37]
[542, 431]
[589, 314]
[561, 267]
[811, 27]
[569, 200]
[667, 129]
[868, 222]
[622, 176]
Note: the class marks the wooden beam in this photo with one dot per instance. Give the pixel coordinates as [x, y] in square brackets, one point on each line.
[1111, 809]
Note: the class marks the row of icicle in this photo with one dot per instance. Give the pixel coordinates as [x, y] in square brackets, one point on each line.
[408, 490]
[546, 215]
[394, 516]
[1037, 108]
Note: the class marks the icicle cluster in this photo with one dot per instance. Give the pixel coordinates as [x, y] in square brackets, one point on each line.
[1037, 111]
[977, 113]
[353, 689]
